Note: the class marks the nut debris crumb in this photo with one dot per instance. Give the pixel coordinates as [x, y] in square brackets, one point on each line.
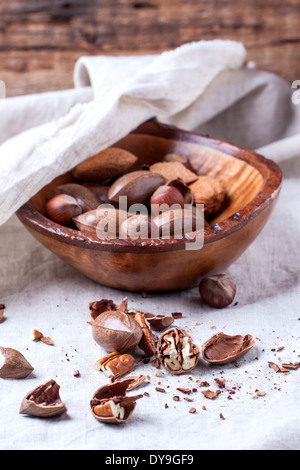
[184, 390]
[1, 314]
[192, 410]
[160, 389]
[221, 416]
[258, 393]
[211, 395]
[76, 373]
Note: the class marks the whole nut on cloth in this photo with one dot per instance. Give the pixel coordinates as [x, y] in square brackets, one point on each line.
[116, 331]
[217, 291]
[176, 351]
[115, 363]
[14, 364]
[110, 403]
[44, 401]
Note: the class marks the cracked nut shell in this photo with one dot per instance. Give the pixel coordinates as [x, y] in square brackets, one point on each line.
[115, 364]
[116, 331]
[222, 348]
[44, 401]
[110, 403]
[176, 351]
[147, 342]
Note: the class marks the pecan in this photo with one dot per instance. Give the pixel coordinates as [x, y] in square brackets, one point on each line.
[115, 364]
[176, 351]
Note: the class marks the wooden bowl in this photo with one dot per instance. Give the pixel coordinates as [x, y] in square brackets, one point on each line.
[253, 184]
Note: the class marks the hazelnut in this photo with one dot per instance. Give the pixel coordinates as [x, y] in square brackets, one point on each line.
[44, 401]
[183, 189]
[62, 208]
[176, 351]
[164, 198]
[217, 291]
[116, 331]
[85, 198]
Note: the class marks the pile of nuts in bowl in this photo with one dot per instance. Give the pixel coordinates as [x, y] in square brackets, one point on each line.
[163, 200]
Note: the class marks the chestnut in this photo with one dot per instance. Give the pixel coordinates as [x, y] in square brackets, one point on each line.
[62, 208]
[116, 331]
[217, 291]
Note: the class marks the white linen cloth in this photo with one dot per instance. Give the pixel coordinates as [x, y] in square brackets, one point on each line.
[214, 94]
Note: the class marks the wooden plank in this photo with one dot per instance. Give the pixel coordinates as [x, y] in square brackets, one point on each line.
[40, 40]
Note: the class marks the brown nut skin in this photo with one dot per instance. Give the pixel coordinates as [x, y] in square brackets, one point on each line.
[116, 392]
[44, 401]
[15, 365]
[175, 337]
[137, 186]
[116, 331]
[217, 291]
[210, 192]
[147, 342]
[62, 208]
[85, 198]
[222, 348]
[115, 364]
[106, 164]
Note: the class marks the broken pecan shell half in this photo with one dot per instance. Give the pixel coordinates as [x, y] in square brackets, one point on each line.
[44, 401]
[222, 348]
[176, 351]
[147, 342]
[110, 403]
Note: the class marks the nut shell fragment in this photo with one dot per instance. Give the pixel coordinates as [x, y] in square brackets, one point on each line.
[147, 342]
[105, 305]
[210, 192]
[44, 401]
[176, 351]
[15, 365]
[222, 348]
[159, 322]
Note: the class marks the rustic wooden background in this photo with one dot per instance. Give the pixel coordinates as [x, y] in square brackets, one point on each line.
[40, 40]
